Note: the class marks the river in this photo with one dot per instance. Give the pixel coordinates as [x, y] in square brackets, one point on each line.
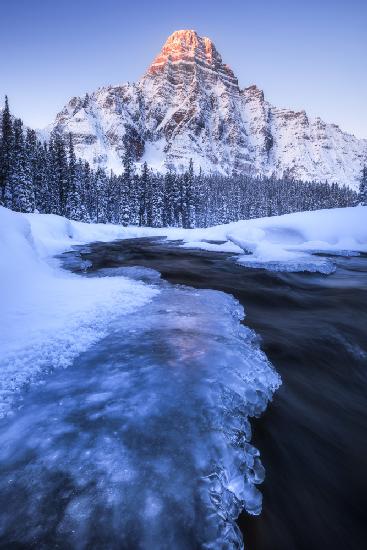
[123, 448]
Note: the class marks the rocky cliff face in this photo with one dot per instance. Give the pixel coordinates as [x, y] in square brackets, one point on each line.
[189, 105]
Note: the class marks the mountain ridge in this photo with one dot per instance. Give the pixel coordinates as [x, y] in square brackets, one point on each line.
[188, 104]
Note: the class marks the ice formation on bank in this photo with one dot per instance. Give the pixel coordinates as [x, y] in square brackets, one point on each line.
[292, 242]
[146, 441]
[160, 407]
[49, 316]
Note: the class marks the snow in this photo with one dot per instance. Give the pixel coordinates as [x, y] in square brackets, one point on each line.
[49, 316]
[201, 407]
[201, 113]
[288, 242]
[185, 375]
[282, 243]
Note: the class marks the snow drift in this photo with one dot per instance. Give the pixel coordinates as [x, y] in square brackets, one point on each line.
[289, 242]
[49, 316]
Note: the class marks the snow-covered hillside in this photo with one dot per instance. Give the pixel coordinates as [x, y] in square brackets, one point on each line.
[189, 104]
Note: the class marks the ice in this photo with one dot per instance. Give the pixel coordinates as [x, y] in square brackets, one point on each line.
[283, 243]
[324, 267]
[145, 442]
[48, 316]
[290, 242]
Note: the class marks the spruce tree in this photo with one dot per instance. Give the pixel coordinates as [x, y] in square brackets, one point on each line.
[60, 170]
[168, 200]
[6, 154]
[143, 195]
[126, 188]
[20, 183]
[74, 208]
[101, 205]
[363, 187]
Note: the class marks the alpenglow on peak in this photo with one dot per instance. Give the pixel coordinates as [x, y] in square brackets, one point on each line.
[186, 47]
[188, 104]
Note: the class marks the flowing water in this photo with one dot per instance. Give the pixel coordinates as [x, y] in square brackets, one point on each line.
[144, 441]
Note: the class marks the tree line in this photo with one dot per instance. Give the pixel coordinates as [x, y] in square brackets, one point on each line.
[47, 177]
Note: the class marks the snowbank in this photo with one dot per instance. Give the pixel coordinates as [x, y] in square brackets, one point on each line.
[281, 243]
[49, 316]
[289, 242]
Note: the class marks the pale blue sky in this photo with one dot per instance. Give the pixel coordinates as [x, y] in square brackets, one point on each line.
[305, 54]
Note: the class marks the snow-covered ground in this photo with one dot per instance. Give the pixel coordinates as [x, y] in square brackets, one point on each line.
[289, 242]
[49, 316]
[285, 243]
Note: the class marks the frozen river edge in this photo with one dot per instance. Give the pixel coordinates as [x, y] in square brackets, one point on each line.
[180, 376]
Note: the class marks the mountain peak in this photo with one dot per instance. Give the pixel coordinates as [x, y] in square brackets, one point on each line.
[189, 105]
[186, 48]
[186, 38]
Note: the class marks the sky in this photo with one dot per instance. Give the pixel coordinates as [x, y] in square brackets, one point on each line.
[308, 55]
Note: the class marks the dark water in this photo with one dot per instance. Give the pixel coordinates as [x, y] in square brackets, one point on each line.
[313, 437]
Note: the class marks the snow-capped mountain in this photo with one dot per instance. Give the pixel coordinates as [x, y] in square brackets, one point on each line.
[189, 105]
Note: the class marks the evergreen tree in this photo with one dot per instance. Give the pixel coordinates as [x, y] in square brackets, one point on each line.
[101, 204]
[156, 200]
[20, 182]
[168, 200]
[126, 188]
[75, 209]
[6, 154]
[143, 195]
[60, 171]
[363, 187]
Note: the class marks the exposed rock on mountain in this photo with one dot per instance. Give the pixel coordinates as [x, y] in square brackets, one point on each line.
[189, 104]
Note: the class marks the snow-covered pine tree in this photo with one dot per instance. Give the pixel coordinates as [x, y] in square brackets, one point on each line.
[20, 181]
[168, 200]
[101, 196]
[75, 209]
[6, 155]
[363, 187]
[143, 184]
[134, 200]
[187, 198]
[31, 148]
[156, 199]
[41, 179]
[126, 182]
[60, 171]
[176, 196]
[53, 195]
